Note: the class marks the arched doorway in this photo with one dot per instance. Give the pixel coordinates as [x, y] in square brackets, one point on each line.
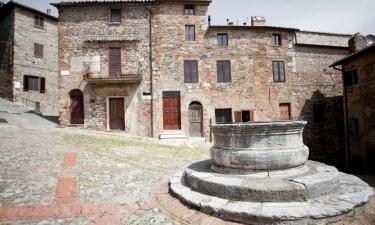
[76, 107]
[195, 119]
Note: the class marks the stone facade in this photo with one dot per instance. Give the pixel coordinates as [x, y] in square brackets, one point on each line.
[251, 52]
[19, 60]
[359, 103]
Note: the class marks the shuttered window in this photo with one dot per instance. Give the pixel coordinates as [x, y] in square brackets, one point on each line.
[38, 21]
[244, 116]
[278, 71]
[114, 61]
[191, 71]
[38, 50]
[115, 15]
[318, 113]
[33, 83]
[222, 39]
[224, 73]
[190, 33]
[223, 116]
[276, 39]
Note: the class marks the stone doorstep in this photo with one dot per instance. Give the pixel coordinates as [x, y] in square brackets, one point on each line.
[178, 134]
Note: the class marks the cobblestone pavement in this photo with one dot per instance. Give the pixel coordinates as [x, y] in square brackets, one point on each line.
[51, 176]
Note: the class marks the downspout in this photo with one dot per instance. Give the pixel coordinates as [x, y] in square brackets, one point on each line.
[348, 148]
[151, 70]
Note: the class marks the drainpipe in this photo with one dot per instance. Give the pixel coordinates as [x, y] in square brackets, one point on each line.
[347, 147]
[151, 70]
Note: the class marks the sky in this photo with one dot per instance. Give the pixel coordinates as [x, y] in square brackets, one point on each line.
[339, 16]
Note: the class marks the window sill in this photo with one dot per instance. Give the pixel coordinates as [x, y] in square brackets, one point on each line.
[42, 28]
[114, 23]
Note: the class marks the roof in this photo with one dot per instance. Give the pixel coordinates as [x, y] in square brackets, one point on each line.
[83, 2]
[354, 55]
[252, 27]
[12, 4]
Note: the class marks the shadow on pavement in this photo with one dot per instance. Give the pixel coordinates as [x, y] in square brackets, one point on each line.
[53, 119]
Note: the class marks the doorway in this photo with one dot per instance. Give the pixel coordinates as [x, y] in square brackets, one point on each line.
[195, 119]
[116, 113]
[77, 116]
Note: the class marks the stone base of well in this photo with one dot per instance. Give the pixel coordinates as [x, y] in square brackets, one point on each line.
[312, 194]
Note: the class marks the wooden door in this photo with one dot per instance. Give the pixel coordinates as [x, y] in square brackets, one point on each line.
[171, 111]
[116, 114]
[285, 111]
[196, 120]
[76, 108]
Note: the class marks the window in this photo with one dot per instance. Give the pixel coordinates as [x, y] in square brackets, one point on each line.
[223, 116]
[276, 39]
[222, 39]
[191, 71]
[115, 15]
[244, 116]
[190, 33]
[224, 73]
[38, 50]
[278, 71]
[39, 21]
[114, 61]
[318, 113]
[350, 78]
[354, 126]
[33, 83]
[189, 10]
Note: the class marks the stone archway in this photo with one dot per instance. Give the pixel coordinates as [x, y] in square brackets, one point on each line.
[195, 119]
[76, 108]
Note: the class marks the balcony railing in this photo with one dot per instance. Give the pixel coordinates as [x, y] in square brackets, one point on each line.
[97, 77]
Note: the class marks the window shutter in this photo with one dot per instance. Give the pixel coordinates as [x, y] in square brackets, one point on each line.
[114, 61]
[194, 71]
[42, 85]
[252, 116]
[275, 71]
[220, 75]
[238, 117]
[187, 71]
[227, 72]
[282, 71]
[25, 83]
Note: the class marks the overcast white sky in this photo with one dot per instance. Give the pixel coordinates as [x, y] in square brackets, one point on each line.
[342, 16]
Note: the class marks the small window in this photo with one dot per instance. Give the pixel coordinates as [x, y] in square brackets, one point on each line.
[350, 78]
[244, 116]
[115, 15]
[285, 111]
[39, 21]
[223, 116]
[318, 113]
[38, 50]
[278, 71]
[114, 61]
[191, 71]
[222, 39]
[354, 126]
[276, 38]
[189, 10]
[190, 33]
[224, 73]
[33, 83]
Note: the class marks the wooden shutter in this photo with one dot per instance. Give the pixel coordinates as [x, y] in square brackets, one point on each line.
[238, 116]
[275, 71]
[25, 83]
[191, 71]
[282, 71]
[114, 61]
[252, 116]
[224, 71]
[38, 50]
[227, 72]
[278, 68]
[42, 85]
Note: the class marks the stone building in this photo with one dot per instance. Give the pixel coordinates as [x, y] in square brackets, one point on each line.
[160, 69]
[28, 57]
[358, 71]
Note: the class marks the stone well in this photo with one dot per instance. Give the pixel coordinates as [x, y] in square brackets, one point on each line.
[259, 174]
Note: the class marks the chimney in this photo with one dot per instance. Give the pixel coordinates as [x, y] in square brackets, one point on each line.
[230, 23]
[49, 11]
[357, 43]
[258, 21]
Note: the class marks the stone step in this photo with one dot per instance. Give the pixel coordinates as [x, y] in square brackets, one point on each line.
[172, 135]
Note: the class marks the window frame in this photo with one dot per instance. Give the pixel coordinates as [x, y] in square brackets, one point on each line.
[278, 80]
[276, 40]
[220, 41]
[38, 50]
[39, 21]
[110, 15]
[223, 79]
[189, 10]
[188, 35]
[34, 83]
[222, 111]
[188, 78]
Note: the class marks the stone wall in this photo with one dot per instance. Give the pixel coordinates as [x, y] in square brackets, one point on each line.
[75, 49]
[25, 35]
[6, 52]
[361, 106]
